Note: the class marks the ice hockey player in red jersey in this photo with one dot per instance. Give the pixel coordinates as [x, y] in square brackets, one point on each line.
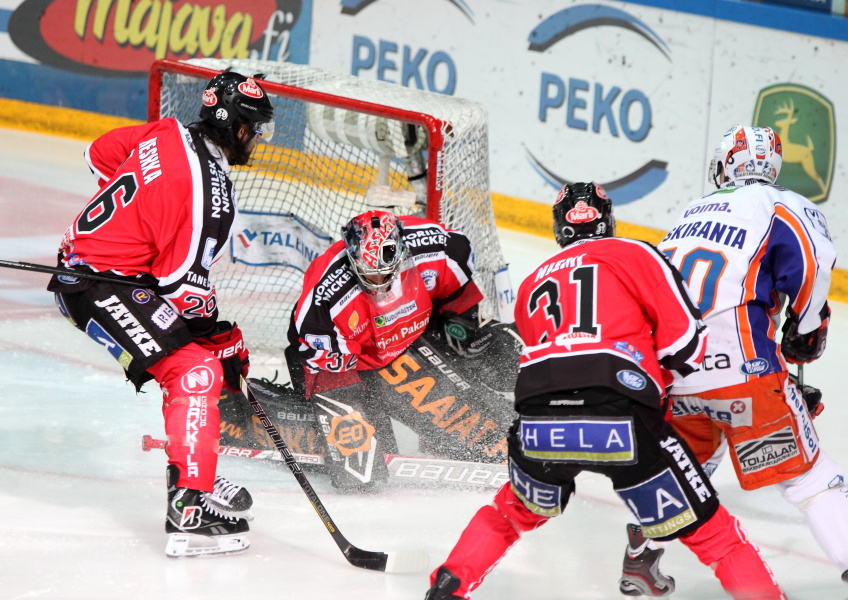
[753, 250]
[364, 302]
[164, 213]
[605, 322]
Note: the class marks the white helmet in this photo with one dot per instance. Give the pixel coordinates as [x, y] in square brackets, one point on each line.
[746, 153]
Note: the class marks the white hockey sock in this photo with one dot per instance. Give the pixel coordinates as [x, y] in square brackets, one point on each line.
[821, 494]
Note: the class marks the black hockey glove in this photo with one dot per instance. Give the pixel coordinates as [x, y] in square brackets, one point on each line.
[470, 336]
[812, 396]
[227, 344]
[802, 348]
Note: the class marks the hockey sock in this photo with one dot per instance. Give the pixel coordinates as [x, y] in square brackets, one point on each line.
[487, 538]
[722, 544]
[191, 379]
[822, 496]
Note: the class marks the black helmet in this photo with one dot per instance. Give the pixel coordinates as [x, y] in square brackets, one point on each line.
[582, 210]
[230, 94]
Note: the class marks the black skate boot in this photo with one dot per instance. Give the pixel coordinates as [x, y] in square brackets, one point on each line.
[446, 583]
[641, 572]
[230, 499]
[195, 527]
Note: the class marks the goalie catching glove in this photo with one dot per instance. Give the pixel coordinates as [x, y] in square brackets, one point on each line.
[227, 344]
[802, 348]
[469, 335]
[812, 396]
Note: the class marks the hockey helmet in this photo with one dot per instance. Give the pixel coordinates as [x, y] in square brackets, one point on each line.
[375, 248]
[230, 94]
[746, 153]
[582, 210]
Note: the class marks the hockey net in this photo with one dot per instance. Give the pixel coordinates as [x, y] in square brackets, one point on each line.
[341, 146]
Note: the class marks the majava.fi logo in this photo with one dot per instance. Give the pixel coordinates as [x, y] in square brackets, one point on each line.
[805, 122]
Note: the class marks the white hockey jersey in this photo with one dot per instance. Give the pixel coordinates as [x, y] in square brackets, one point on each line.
[744, 252]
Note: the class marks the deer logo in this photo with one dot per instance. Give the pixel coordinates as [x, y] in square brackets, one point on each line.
[793, 152]
[804, 120]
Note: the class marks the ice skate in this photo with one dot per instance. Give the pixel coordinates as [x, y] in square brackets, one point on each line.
[230, 499]
[446, 583]
[195, 527]
[641, 572]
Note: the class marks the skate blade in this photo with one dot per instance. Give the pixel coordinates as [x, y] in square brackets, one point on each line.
[633, 586]
[189, 545]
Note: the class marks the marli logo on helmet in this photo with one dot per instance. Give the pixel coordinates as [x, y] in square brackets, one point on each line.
[251, 89]
[209, 98]
[582, 213]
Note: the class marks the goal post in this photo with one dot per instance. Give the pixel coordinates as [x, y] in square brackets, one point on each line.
[342, 145]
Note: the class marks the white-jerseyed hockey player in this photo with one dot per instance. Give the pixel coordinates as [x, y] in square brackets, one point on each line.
[748, 251]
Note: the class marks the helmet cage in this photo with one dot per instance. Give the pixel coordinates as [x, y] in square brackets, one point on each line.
[746, 153]
[582, 210]
[375, 249]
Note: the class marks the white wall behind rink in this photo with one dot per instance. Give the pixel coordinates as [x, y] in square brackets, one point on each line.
[631, 96]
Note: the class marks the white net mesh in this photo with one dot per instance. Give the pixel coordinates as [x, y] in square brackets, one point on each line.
[330, 159]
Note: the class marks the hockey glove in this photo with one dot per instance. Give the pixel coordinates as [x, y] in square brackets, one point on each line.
[227, 344]
[802, 348]
[812, 397]
[469, 336]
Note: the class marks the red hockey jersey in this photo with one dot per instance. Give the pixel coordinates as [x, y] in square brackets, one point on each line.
[165, 208]
[608, 312]
[337, 326]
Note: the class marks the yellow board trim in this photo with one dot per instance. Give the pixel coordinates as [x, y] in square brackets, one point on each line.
[510, 213]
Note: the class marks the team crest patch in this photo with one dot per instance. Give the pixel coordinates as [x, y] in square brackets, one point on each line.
[429, 276]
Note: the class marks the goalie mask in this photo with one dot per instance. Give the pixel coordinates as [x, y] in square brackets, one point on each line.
[746, 153]
[229, 95]
[582, 210]
[375, 248]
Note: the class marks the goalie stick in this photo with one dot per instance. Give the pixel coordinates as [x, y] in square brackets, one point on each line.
[394, 562]
[25, 266]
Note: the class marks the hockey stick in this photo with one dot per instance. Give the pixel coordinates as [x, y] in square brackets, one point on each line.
[395, 562]
[412, 471]
[25, 266]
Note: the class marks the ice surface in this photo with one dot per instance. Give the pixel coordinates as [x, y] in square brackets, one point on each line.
[83, 507]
